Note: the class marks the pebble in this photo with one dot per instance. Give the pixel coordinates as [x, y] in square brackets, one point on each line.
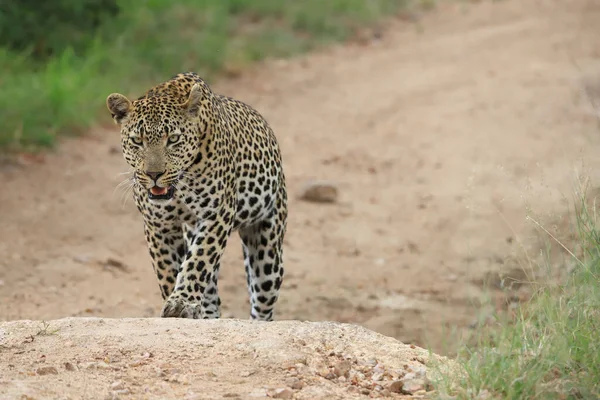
[342, 368]
[46, 371]
[294, 383]
[377, 376]
[372, 362]
[319, 192]
[282, 393]
[420, 371]
[69, 366]
[411, 386]
[395, 387]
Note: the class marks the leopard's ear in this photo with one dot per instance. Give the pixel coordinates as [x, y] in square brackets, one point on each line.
[194, 101]
[119, 106]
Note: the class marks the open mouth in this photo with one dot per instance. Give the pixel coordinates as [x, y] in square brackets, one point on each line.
[161, 193]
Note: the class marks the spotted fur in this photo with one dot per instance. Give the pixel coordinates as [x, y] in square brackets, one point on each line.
[205, 165]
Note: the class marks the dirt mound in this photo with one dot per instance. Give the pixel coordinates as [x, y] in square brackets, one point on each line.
[438, 137]
[187, 359]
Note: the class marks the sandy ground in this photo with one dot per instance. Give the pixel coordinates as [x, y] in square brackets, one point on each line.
[156, 358]
[441, 135]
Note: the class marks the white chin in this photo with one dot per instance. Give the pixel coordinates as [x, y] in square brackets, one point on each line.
[160, 201]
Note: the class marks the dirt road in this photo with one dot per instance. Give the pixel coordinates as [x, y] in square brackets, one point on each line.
[440, 135]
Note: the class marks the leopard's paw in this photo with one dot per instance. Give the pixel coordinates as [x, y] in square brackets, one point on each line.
[178, 307]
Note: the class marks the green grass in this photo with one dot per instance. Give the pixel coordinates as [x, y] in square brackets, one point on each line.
[550, 347]
[152, 40]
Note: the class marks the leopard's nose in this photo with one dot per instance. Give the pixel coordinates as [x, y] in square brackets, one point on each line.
[154, 175]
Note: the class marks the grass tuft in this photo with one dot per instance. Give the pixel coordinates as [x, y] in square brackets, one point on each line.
[550, 347]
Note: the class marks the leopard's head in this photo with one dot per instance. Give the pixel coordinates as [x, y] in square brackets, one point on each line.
[162, 135]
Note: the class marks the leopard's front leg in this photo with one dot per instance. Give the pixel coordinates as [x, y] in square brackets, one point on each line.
[167, 248]
[195, 293]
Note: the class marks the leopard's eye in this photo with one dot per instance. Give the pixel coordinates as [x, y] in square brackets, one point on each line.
[173, 139]
[136, 140]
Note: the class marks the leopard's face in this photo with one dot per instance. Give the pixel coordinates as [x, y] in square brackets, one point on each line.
[160, 139]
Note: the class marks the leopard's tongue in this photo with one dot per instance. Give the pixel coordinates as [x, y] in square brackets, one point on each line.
[157, 191]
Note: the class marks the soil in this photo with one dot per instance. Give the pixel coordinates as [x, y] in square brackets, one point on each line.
[158, 358]
[440, 134]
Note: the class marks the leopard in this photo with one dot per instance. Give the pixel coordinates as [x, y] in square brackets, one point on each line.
[204, 165]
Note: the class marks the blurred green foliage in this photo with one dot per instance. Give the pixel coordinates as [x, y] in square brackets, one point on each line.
[60, 59]
[43, 28]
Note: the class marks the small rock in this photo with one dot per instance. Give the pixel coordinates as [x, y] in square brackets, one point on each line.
[46, 371]
[245, 374]
[366, 384]
[319, 192]
[379, 368]
[411, 386]
[294, 383]
[420, 371]
[69, 366]
[372, 362]
[377, 376]
[409, 376]
[114, 263]
[342, 368]
[395, 387]
[117, 385]
[282, 393]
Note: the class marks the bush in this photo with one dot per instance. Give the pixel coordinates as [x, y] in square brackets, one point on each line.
[90, 48]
